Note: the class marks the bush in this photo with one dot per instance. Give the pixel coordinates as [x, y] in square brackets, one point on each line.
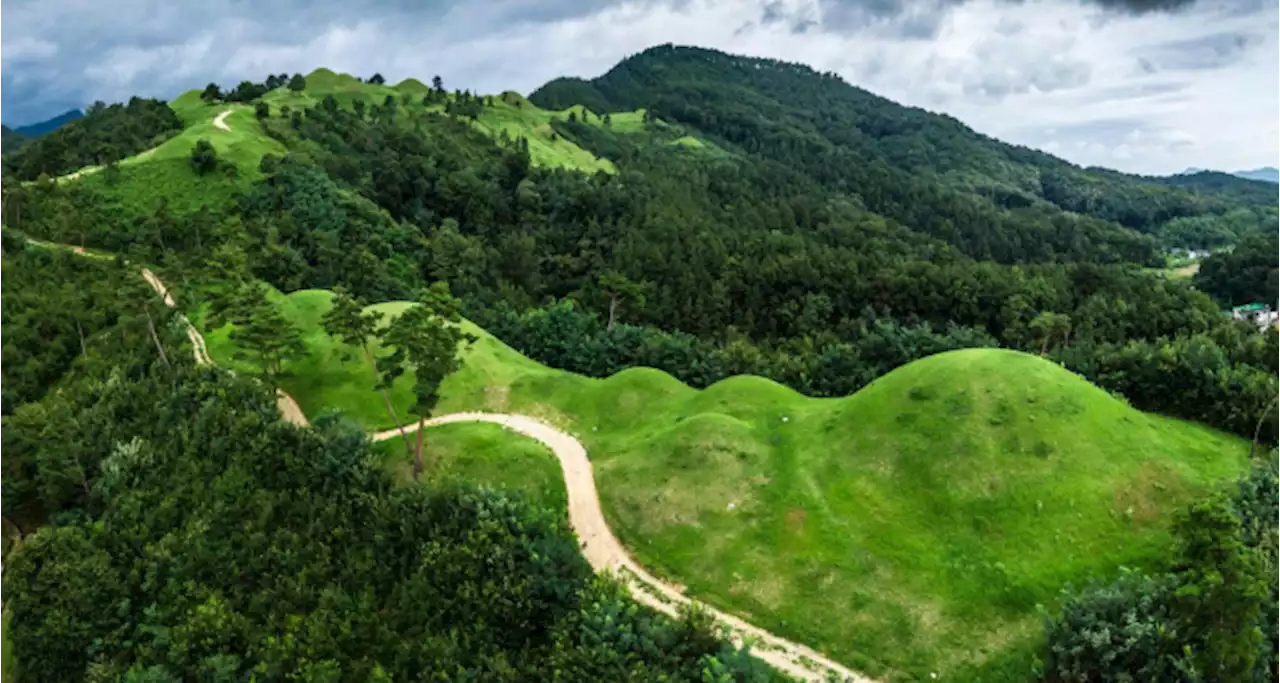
[204, 158]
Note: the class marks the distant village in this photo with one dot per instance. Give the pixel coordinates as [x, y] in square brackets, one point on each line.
[1260, 314]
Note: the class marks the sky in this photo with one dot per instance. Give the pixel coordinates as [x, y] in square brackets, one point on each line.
[1145, 86]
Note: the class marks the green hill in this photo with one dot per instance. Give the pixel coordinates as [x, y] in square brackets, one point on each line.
[912, 527]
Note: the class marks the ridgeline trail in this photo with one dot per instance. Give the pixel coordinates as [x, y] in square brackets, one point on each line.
[600, 547]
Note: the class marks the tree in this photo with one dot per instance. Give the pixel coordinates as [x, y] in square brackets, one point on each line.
[424, 340]
[261, 110]
[1220, 592]
[1049, 326]
[211, 93]
[347, 321]
[620, 289]
[204, 158]
[297, 83]
[377, 79]
[264, 333]
[437, 83]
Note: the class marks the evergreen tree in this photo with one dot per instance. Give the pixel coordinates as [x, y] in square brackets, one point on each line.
[347, 321]
[424, 340]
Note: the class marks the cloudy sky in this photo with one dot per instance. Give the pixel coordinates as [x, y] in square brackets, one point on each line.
[1149, 86]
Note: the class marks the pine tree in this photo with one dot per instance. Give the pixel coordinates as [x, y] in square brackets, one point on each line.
[348, 322]
[425, 339]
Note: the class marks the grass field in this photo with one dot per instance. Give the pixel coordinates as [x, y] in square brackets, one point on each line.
[909, 529]
[488, 455]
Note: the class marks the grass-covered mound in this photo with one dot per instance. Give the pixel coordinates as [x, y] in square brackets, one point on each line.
[487, 455]
[911, 527]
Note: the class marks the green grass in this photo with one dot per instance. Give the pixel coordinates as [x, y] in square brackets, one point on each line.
[484, 454]
[908, 529]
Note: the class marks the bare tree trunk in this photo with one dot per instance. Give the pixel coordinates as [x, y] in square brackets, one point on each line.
[1257, 430]
[80, 332]
[613, 310]
[417, 456]
[386, 400]
[151, 327]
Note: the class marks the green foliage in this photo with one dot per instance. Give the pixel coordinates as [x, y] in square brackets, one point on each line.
[1220, 590]
[1246, 274]
[423, 340]
[263, 332]
[1208, 619]
[297, 83]
[204, 158]
[106, 133]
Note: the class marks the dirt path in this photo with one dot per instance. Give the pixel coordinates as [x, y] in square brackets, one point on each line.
[605, 553]
[221, 121]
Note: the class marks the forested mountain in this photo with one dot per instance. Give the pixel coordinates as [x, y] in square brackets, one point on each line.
[39, 128]
[927, 171]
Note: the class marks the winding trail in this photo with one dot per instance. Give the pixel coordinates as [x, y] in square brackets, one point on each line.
[598, 544]
[606, 554]
[220, 122]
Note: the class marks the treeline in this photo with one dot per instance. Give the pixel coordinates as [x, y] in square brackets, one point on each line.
[248, 91]
[1244, 275]
[106, 134]
[564, 336]
[1210, 616]
[199, 538]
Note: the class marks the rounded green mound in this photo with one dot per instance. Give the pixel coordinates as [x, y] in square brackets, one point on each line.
[912, 527]
[916, 525]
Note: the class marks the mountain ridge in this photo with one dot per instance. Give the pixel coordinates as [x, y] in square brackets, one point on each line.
[39, 128]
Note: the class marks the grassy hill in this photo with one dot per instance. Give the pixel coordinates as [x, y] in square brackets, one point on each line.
[908, 529]
[163, 173]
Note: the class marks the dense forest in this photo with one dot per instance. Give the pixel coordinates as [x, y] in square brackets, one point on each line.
[194, 536]
[820, 236]
[105, 135]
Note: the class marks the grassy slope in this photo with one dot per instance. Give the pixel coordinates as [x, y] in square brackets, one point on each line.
[163, 174]
[485, 454]
[911, 527]
[509, 112]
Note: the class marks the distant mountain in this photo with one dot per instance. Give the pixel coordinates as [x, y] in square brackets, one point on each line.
[35, 130]
[1267, 174]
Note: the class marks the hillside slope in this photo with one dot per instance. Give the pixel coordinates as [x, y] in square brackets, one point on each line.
[924, 516]
[926, 170]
